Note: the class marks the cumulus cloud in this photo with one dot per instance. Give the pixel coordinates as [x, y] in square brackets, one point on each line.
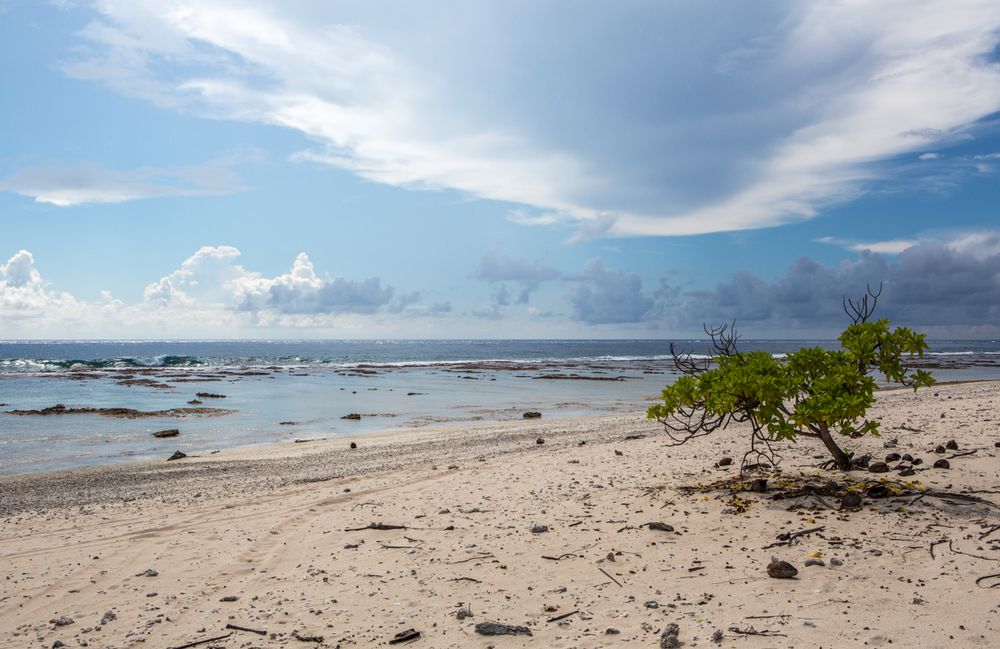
[607, 296]
[629, 139]
[23, 293]
[87, 182]
[497, 268]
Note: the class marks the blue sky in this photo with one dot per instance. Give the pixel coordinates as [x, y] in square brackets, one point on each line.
[510, 169]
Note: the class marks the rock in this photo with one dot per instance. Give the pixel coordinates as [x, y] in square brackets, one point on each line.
[652, 604]
[893, 457]
[228, 598]
[538, 528]
[940, 450]
[891, 443]
[669, 639]
[107, 617]
[495, 628]
[918, 460]
[148, 572]
[57, 644]
[65, 620]
[718, 635]
[352, 416]
[660, 527]
[942, 464]
[781, 569]
[463, 613]
[878, 467]
[611, 631]
[996, 444]
[724, 461]
[170, 432]
[834, 561]
[907, 457]
[209, 395]
[532, 414]
[610, 557]
[178, 455]
[539, 441]
[354, 445]
[906, 472]
[617, 452]
[351, 546]
[951, 445]
[861, 462]
[402, 636]
[759, 485]
[813, 561]
[195, 402]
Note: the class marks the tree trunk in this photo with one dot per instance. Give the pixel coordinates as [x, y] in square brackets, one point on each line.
[842, 459]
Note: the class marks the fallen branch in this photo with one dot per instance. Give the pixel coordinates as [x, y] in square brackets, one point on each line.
[933, 543]
[788, 538]
[962, 454]
[610, 577]
[376, 526]
[472, 579]
[985, 577]
[988, 532]
[753, 631]
[974, 556]
[236, 627]
[205, 641]
[561, 617]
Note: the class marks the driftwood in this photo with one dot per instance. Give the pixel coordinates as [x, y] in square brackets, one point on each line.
[606, 574]
[236, 627]
[376, 526]
[561, 617]
[205, 641]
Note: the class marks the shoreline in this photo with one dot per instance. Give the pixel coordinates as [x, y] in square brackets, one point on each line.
[285, 544]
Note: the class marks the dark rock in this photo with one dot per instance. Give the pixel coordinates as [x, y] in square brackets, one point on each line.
[463, 613]
[209, 395]
[759, 485]
[951, 444]
[669, 639]
[539, 441]
[178, 455]
[532, 414]
[918, 460]
[196, 402]
[813, 561]
[148, 572]
[661, 527]
[354, 445]
[907, 457]
[65, 620]
[538, 528]
[404, 636]
[906, 472]
[611, 631]
[893, 457]
[781, 569]
[878, 467]
[834, 561]
[228, 598]
[652, 604]
[170, 432]
[495, 628]
[108, 617]
[851, 500]
[57, 644]
[725, 461]
[940, 450]
[996, 444]
[861, 462]
[942, 464]
[353, 417]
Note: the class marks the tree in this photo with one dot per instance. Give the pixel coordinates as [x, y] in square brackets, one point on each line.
[813, 392]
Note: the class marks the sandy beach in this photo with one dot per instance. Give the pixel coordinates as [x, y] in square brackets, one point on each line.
[552, 536]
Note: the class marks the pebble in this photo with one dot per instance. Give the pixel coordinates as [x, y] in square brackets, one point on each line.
[538, 528]
[718, 635]
[57, 644]
[878, 467]
[463, 613]
[942, 464]
[893, 457]
[495, 628]
[940, 450]
[891, 443]
[540, 440]
[813, 561]
[951, 444]
[726, 461]
[851, 500]
[228, 598]
[662, 527]
[148, 572]
[669, 639]
[611, 631]
[652, 604]
[65, 620]
[834, 561]
[781, 569]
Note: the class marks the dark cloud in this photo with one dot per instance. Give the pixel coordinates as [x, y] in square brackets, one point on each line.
[606, 296]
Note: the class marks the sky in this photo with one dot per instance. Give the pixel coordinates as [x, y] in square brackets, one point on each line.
[515, 169]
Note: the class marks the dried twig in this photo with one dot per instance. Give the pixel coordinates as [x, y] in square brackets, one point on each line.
[933, 543]
[472, 579]
[788, 538]
[205, 641]
[606, 574]
[561, 617]
[236, 627]
[481, 556]
[376, 526]
[980, 580]
[974, 556]
[561, 556]
[753, 631]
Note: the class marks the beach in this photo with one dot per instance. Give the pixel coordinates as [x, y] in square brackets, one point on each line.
[541, 524]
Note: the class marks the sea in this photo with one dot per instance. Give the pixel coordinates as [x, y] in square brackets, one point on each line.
[226, 393]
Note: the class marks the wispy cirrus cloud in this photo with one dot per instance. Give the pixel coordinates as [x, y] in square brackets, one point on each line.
[631, 138]
[888, 247]
[87, 183]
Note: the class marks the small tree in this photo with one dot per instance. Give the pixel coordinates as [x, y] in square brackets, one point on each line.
[814, 392]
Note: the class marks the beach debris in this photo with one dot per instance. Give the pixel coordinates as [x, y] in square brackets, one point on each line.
[759, 485]
[814, 561]
[669, 639]
[651, 604]
[789, 538]
[107, 617]
[893, 457]
[779, 569]
[463, 613]
[611, 631]
[878, 467]
[558, 618]
[64, 620]
[540, 440]
[376, 526]
[851, 500]
[307, 637]
[538, 528]
[724, 461]
[718, 635]
[532, 414]
[352, 416]
[178, 455]
[608, 575]
[496, 628]
[354, 445]
[195, 643]
[749, 630]
[891, 443]
[228, 598]
[236, 627]
[148, 572]
[571, 555]
[942, 464]
[404, 636]
[209, 395]
[951, 445]
[660, 527]
[170, 432]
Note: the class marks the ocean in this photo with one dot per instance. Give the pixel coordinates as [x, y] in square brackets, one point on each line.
[281, 391]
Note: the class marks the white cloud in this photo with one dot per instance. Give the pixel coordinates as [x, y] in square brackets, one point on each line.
[888, 247]
[630, 137]
[929, 156]
[23, 293]
[87, 182]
